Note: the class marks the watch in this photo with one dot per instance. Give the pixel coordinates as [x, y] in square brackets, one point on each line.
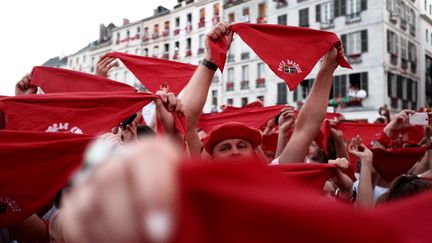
[209, 64]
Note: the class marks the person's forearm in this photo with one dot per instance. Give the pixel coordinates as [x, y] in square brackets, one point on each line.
[420, 167]
[282, 142]
[309, 119]
[341, 150]
[195, 94]
[365, 195]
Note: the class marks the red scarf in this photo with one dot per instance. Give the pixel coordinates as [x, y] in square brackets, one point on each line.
[87, 113]
[391, 163]
[34, 167]
[221, 203]
[55, 80]
[153, 72]
[290, 52]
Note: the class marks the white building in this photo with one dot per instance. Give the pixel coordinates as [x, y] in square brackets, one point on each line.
[388, 43]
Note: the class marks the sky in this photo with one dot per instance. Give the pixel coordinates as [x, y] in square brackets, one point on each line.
[33, 31]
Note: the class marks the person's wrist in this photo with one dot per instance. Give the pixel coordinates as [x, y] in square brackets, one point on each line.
[208, 57]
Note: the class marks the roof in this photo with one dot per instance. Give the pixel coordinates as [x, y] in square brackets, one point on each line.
[55, 62]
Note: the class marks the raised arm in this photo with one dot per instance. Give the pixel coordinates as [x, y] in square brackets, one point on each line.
[195, 93]
[312, 113]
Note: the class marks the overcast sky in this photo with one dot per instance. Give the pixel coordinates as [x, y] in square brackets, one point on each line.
[32, 31]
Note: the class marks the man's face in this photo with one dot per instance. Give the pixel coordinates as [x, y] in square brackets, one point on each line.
[233, 149]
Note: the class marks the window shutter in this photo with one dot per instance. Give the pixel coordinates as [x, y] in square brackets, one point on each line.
[364, 41]
[343, 7]
[389, 86]
[344, 42]
[363, 5]
[336, 9]
[318, 13]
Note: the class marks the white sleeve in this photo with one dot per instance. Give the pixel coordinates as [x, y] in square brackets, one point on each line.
[275, 161]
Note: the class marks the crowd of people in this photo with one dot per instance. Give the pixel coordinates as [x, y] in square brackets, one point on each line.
[289, 178]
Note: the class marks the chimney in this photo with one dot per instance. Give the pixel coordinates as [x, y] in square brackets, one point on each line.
[102, 32]
[125, 21]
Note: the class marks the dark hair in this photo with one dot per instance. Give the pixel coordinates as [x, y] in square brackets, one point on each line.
[144, 130]
[407, 185]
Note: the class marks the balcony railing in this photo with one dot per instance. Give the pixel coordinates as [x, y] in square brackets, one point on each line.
[176, 31]
[155, 35]
[175, 56]
[353, 17]
[201, 23]
[327, 24]
[262, 20]
[244, 56]
[201, 50]
[244, 84]
[165, 33]
[188, 28]
[230, 86]
[165, 56]
[188, 53]
[260, 83]
[146, 37]
[215, 20]
[354, 58]
[403, 24]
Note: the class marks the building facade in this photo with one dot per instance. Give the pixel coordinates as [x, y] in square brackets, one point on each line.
[388, 43]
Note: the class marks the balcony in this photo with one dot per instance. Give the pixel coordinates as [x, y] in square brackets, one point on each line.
[231, 58]
[327, 24]
[355, 58]
[155, 35]
[260, 83]
[135, 37]
[352, 17]
[165, 56]
[244, 84]
[244, 56]
[176, 56]
[188, 29]
[262, 20]
[188, 53]
[201, 50]
[165, 33]
[230, 3]
[201, 23]
[176, 31]
[215, 20]
[230, 86]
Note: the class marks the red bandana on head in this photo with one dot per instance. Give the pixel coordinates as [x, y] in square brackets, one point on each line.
[87, 112]
[155, 73]
[55, 80]
[290, 52]
[34, 167]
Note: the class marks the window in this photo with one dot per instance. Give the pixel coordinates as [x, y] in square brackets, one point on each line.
[216, 9]
[201, 44]
[244, 101]
[403, 16]
[392, 43]
[260, 70]
[282, 19]
[282, 93]
[354, 44]
[353, 11]
[261, 98]
[412, 56]
[304, 17]
[202, 15]
[145, 53]
[189, 19]
[262, 13]
[230, 77]
[303, 89]
[246, 15]
[231, 18]
[360, 80]
[177, 22]
[214, 98]
[245, 72]
[230, 101]
[325, 14]
[339, 8]
[427, 35]
[339, 88]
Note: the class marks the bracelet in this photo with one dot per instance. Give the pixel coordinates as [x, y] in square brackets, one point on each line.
[209, 65]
